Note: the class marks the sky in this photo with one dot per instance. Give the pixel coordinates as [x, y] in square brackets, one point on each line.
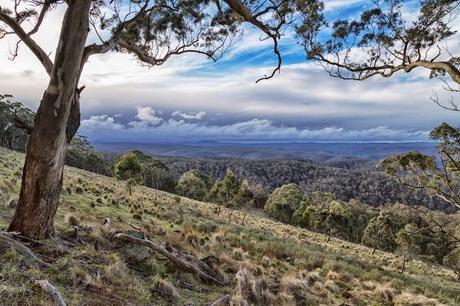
[191, 98]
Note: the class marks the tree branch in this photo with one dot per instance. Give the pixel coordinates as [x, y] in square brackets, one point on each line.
[241, 9]
[30, 43]
[46, 286]
[179, 262]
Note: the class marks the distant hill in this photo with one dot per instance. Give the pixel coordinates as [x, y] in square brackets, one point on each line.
[320, 152]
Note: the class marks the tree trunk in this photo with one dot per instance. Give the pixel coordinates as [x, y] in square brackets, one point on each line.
[373, 251]
[53, 130]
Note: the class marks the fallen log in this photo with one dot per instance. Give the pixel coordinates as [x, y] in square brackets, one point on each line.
[179, 262]
[46, 286]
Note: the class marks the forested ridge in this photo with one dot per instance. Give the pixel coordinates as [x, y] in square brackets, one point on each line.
[370, 187]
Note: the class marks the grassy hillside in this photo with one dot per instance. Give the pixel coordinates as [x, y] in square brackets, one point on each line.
[266, 262]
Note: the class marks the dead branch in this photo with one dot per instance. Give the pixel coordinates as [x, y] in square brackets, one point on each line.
[46, 286]
[222, 301]
[31, 44]
[6, 241]
[176, 260]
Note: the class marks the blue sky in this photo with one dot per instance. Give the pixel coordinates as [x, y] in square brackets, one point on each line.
[191, 98]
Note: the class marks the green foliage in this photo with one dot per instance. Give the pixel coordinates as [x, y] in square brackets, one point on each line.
[361, 214]
[384, 40]
[409, 240]
[371, 187]
[309, 212]
[452, 260]
[194, 184]
[224, 192]
[15, 122]
[158, 177]
[381, 231]
[322, 213]
[155, 174]
[419, 171]
[81, 154]
[283, 202]
[260, 196]
[129, 167]
[244, 197]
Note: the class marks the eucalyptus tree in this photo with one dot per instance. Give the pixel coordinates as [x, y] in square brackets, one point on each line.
[390, 36]
[194, 184]
[440, 177]
[154, 31]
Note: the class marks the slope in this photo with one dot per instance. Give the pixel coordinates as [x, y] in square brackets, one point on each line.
[265, 262]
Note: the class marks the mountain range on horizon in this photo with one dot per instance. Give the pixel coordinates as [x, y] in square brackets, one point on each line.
[316, 151]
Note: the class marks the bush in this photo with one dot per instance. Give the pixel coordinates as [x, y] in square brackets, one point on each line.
[283, 202]
[193, 184]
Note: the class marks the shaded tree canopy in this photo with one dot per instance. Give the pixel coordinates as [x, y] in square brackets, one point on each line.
[386, 39]
[224, 192]
[129, 167]
[452, 260]
[194, 184]
[81, 154]
[284, 201]
[381, 231]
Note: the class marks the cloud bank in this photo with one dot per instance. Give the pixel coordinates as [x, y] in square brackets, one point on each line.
[103, 127]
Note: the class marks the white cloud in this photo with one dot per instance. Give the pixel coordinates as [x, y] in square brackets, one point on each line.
[147, 116]
[189, 116]
[337, 4]
[101, 122]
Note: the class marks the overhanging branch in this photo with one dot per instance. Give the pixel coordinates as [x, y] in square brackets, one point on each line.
[30, 43]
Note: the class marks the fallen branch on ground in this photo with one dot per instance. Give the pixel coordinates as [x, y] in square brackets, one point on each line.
[46, 286]
[175, 259]
[222, 301]
[9, 242]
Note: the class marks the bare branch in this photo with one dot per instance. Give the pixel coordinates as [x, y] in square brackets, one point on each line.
[46, 286]
[274, 34]
[176, 260]
[30, 43]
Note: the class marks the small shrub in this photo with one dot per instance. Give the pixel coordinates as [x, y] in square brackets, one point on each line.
[72, 220]
[165, 289]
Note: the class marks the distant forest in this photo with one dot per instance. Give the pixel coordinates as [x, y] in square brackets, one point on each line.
[370, 187]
